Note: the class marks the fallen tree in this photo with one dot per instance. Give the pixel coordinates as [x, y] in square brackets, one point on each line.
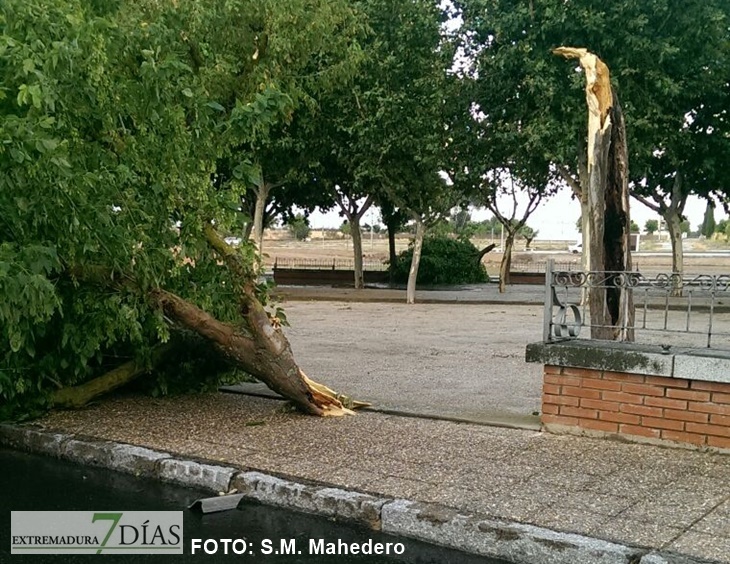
[112, 212]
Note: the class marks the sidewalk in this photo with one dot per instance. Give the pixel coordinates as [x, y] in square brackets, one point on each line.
[483, 489]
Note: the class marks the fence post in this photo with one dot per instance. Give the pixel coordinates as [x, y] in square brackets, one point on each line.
[547, 315]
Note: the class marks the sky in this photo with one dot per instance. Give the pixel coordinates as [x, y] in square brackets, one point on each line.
[555, 218]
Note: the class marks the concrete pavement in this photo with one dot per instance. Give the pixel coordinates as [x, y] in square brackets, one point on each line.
[521, 495]
[516, 494]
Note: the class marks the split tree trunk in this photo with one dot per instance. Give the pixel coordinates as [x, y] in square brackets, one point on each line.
[261, 348]
[611, 309]
[415, 260]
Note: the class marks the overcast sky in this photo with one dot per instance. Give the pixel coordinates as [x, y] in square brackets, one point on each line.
[555, 218]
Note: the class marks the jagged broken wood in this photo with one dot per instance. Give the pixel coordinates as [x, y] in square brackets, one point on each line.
[607, 196]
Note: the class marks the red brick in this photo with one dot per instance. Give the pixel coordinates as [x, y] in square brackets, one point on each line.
[665, 402]
[642, 389]
[581, 372]
[682, 415]
[560, 400]
[622, 397]
[667, 382]
[722, 387]
[601, 385]
[623, 377]
[658, 423]
[688, 395]
[620, 417]
[714, 430]
[721, 398]
[681, 437]
[561, 380]
[595, 425]
[551, 369]
[550, 409]
[559, 420]
[723, 420]
[719, 442]
[704, 407]
[580, 392]
[641, 410]
[599, 404]
[551, 389]
[640, 431]
[578, 412]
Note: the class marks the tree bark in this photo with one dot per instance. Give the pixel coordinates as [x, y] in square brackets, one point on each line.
[74, 397]
[484, 251]
[415, 260]
[262, 194]
[393, 257]
[356, 235]
[674, 226]
[261, 349]
[506, 264]
[611, 307]
[617, 231]
[354, 215]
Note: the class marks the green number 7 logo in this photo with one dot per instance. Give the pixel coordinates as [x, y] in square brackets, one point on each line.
[114, 518]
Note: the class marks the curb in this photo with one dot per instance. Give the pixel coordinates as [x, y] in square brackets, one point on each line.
[432, 523]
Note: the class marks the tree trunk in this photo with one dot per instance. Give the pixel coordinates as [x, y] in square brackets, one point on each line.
[617, 230]
[611, 308]
[415, 261]
[393, 257]
[356, 235]
[506, 264]
[261, 348]
[262, 194]
[74, 397]
[674, 226]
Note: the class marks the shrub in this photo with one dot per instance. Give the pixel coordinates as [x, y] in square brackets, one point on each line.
[444, 261]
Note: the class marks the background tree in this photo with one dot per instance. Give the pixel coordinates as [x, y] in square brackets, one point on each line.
[651, 226]
[299, 228]
[708, 222]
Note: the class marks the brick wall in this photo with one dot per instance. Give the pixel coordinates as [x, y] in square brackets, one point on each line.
[639, 407]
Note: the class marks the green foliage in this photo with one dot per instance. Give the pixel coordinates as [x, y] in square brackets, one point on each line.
[708, 223]
[444, 261]
[651, 226]
[634, 227]
[299, 227]
[113, 122]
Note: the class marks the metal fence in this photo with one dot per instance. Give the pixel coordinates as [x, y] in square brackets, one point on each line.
[669, 309]
[327, 264]
[541, 266]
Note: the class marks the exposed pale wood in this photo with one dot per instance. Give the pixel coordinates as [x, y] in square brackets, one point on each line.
[604, 198]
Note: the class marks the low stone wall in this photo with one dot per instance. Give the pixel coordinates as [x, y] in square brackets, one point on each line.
[645, 394]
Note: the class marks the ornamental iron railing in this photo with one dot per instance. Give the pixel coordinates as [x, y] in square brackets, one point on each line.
[669, 309]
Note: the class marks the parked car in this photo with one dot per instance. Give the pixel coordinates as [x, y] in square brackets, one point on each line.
[576, 249]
